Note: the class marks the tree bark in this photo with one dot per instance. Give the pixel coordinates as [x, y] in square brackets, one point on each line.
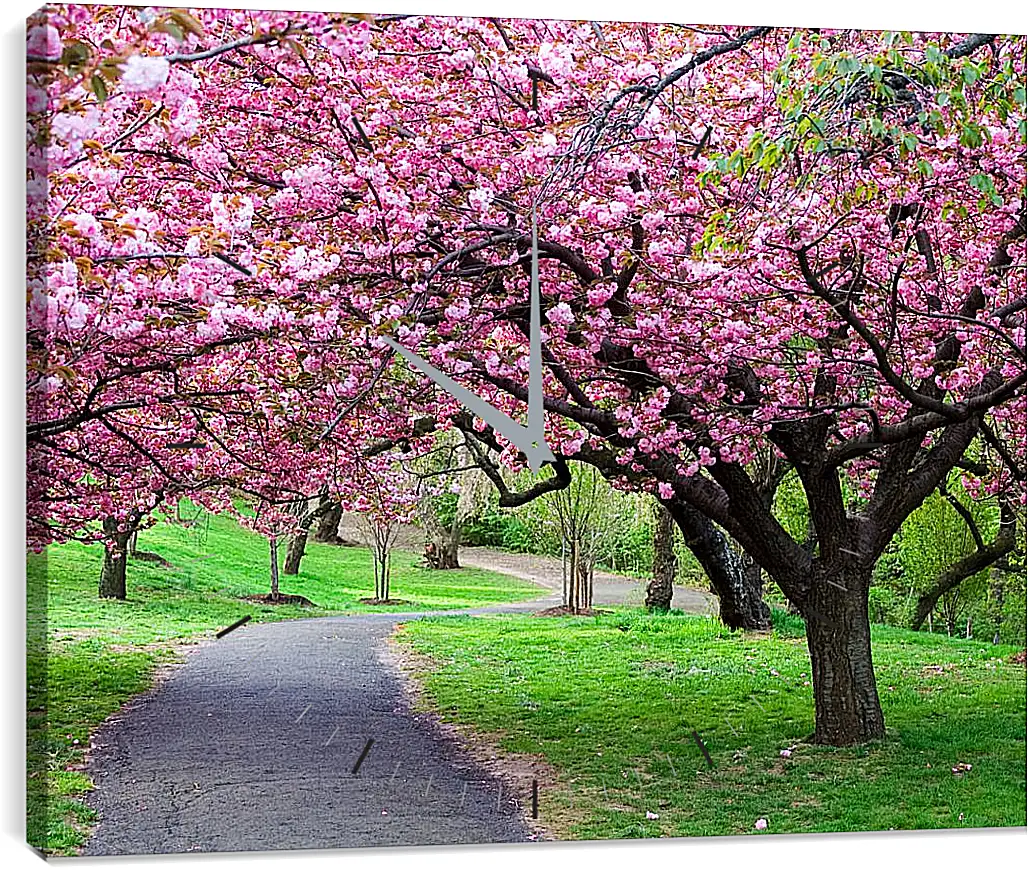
[294, 553]
[740, 598]
[446, 554]
[444, 543]
[112, 574]
[298, 542]
[328, 528]
[660, 589]
[847, 709]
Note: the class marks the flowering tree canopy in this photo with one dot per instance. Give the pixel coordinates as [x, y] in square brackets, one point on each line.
[760, 248]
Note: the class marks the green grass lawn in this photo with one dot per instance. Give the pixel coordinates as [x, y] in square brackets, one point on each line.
[102, 652]
[610, 704]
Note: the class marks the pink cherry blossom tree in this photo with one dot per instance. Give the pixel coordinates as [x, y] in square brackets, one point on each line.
[759, 248]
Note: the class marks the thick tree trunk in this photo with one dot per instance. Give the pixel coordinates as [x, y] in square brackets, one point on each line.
[298, 542]
[446, 554]
[846, 705]
[660, 589]
[443, 544]
[112, 574]
[294, 553]
[740, 597]
[328, 528]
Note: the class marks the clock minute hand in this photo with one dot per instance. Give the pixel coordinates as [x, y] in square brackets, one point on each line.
[536, 417]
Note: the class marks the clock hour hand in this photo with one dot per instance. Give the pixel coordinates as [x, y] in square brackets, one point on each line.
[530, 439]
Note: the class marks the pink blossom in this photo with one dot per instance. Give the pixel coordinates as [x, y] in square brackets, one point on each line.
[560, 314]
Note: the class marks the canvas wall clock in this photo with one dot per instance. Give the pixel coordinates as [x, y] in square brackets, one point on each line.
[476, 430]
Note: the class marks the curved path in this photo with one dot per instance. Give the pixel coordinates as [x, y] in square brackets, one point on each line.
[252, 744]
[607, 588]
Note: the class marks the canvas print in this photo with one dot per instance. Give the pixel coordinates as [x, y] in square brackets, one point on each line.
[484, 430]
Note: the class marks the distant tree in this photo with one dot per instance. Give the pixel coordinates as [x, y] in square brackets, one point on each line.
[948, 545]
[380, 536]
[582, 511]
[388, 500]
[448, 467]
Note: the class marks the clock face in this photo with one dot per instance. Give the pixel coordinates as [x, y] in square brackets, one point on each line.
[448, 430]
[530, 438]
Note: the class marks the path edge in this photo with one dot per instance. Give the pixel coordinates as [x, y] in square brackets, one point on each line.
[482, 748]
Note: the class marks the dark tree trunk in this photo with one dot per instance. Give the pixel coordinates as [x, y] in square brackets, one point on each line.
[298, 542]
[846, 705]
[112, 574]
[660, 589]
[753, 578]
[328, 528]
[294, 553]
[382, 577]
[741, 602]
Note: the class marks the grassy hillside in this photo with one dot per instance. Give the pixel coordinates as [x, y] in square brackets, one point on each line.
[610, 704]
[102, 652]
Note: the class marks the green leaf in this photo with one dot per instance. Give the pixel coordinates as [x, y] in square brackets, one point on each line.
[75, 54]
[971, 136]
[99, 87]
[167, 25]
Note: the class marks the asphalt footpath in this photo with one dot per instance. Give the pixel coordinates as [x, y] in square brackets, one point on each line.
[260, 741]
[254, 743]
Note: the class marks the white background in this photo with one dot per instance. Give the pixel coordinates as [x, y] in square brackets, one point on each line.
[910, 850]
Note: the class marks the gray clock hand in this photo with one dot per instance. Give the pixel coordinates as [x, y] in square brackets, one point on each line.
[530, 439]
[535, 356]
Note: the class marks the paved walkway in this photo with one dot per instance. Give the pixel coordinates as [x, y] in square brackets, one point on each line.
[252, 743]
[607, 588]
